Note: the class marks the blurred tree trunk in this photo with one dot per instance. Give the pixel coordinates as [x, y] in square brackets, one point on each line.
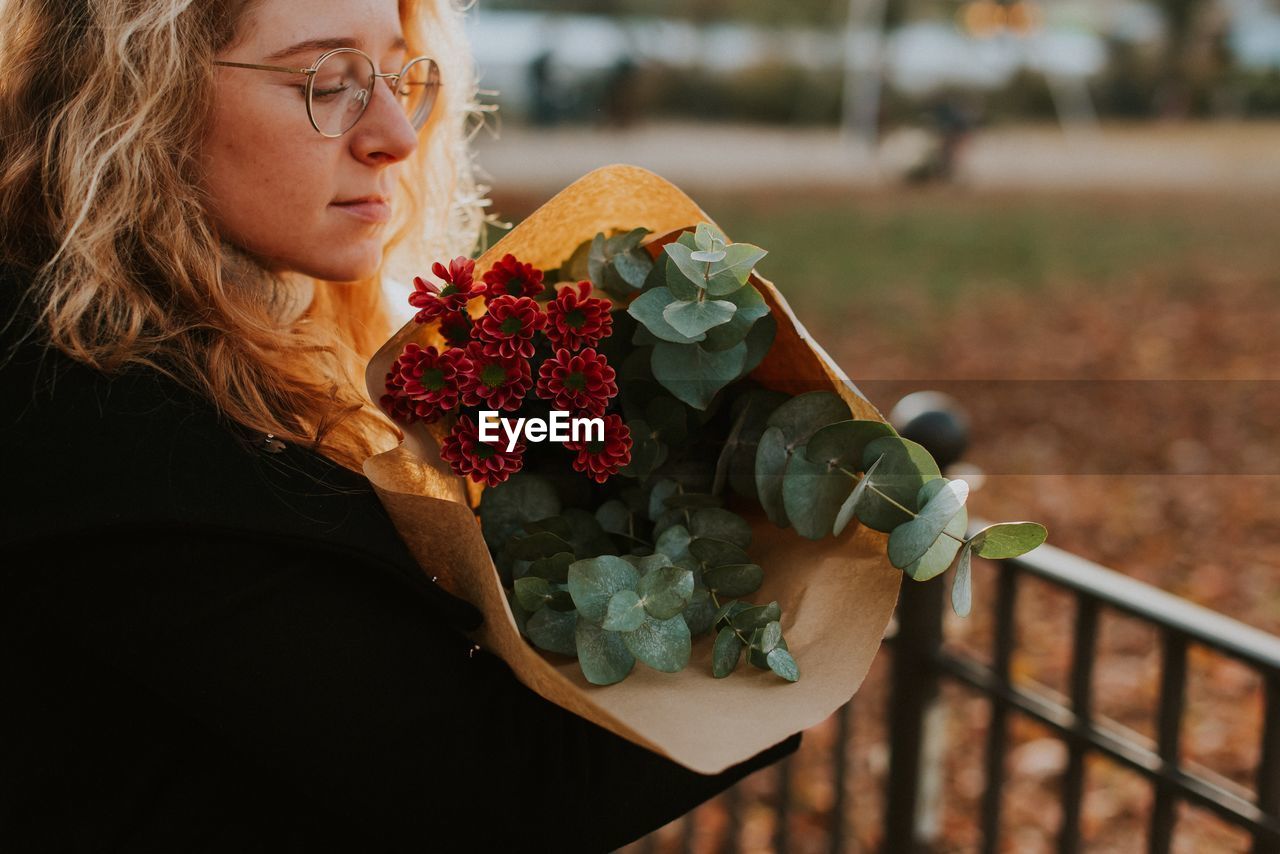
[1174, 93]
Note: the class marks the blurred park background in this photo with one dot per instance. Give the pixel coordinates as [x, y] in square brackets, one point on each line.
[1064, 214]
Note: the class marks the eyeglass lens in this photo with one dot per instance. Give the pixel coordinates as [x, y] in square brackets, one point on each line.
[342, 87]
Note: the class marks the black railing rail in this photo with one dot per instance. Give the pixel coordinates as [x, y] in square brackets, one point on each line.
[921, 660]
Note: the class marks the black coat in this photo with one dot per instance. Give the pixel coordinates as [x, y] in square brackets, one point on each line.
[209, 647]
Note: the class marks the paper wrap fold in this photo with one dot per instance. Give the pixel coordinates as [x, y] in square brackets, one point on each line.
[836, 594]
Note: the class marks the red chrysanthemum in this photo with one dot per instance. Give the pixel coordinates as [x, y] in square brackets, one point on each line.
[575, 319]
[395, 402]
[433, 301]
[582, 382]
[456, 328]
[512, 278]
[494, 380]
[480, 461]
[507, 326]
[600, 460]
[429, 379]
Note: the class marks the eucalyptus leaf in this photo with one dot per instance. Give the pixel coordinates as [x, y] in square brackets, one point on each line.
[597, 257]
[633, 268]
[662, 644]
[757, 617]
[647, 451]
[905, 468]
[693, 318]
[962, 585]
[693, 500]
[603, 655]
[665, 591]
[592, 583]
[757, 658]
[709, 256]
[759, 341]
[726, 654]
[532, 592]
[940, 555]
[851, 503]
[805, 414]
[693, 374]
[699, 614]
[720, 524]
[731, 609]
[674, 542]
[588, 538]
[505, 507]
[1009, 539]
[734, 579]
[772, 636]
[626, 242]
[812, 494]
[650, 310]
[741, 259]
[554, 631]
[749, 307]
[561, 600]
[772, 456]
[614, 517]
[712, 552]
[843, 442]
[557, 525]
[663, 488]
[539, 545]
[518, 613]
[624, 613]
[577, 268]
[715, 278]
[677, 282]
[706, 236]
[939, 500]
[750, 411]
[646, 564]
[554, 568]
[782, 663]
[668, 518]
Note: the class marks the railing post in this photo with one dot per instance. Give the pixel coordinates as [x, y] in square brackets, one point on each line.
[914, 694]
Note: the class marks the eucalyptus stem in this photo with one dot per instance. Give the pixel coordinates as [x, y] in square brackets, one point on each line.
[716, 601]
[858, 476]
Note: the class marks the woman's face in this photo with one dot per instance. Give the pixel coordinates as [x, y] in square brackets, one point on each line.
[277, 188]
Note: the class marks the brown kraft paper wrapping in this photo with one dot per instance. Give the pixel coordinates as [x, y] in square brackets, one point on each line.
[837, 594]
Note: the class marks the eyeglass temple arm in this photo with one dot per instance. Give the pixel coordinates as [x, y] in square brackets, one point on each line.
[265, 67]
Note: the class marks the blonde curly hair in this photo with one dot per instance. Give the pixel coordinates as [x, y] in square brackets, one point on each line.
[99, 196]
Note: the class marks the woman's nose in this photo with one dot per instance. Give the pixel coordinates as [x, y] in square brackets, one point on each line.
[383, 135]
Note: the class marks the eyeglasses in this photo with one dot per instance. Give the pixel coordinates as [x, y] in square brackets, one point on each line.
[340, 86]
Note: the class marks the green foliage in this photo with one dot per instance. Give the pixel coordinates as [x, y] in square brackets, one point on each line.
[663, 556]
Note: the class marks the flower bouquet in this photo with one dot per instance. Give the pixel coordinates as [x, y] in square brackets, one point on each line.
[679, 518]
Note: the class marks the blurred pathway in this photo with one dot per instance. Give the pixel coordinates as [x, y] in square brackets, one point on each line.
[1227, 157]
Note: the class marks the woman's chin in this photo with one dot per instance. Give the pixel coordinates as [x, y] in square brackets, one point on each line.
[348, 266]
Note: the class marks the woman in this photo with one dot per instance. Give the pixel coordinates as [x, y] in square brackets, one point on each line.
[212, 637]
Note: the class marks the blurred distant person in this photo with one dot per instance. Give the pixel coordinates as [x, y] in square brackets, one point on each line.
[620, 98]
[931, 153]
[953, 126]
[543, 110]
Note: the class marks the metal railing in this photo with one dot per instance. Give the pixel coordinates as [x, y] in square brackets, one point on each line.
[921, 663]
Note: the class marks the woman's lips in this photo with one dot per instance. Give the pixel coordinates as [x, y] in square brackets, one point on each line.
[370, 210]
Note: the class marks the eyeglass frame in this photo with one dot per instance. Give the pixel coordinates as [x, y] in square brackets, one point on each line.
[311, 70]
